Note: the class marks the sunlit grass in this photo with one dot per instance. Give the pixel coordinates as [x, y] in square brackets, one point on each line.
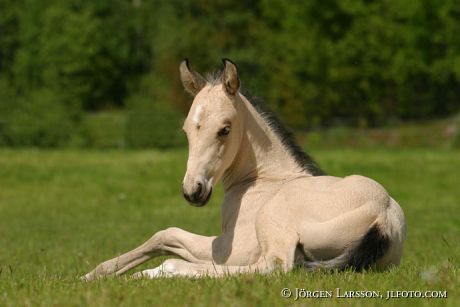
[62, 212]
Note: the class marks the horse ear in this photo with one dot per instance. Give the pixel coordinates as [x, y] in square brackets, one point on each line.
[192, 81]
[230, 80]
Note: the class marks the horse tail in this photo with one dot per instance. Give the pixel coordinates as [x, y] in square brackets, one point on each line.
[359, 256]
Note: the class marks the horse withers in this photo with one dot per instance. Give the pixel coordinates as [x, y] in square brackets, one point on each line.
[279, 209]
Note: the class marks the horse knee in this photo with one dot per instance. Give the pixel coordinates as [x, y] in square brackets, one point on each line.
[278, 249]
[280, 260]
[169, 232]
[160, 237]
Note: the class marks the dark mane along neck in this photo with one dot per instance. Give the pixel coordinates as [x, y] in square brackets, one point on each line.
[287, 139]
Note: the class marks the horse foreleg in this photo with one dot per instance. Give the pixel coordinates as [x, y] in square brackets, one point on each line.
[278, 251]
[189, 246]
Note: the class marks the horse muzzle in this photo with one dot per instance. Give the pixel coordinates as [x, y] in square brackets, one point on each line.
[199, 194]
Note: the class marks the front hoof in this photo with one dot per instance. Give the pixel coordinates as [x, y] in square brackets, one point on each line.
[88, 277]
[99, 272]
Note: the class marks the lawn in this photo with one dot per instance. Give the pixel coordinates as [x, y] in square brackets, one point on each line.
[62, 212]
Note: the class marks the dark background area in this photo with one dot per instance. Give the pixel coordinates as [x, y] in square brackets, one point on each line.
[105, 73]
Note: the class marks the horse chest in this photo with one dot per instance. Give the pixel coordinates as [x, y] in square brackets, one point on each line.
[240, 207]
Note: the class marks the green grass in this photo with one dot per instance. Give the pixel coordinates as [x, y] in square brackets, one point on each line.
[63, 212]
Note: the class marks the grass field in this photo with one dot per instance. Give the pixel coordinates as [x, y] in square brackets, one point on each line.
[63, 212]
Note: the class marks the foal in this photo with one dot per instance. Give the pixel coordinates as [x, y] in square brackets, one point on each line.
[279, 210]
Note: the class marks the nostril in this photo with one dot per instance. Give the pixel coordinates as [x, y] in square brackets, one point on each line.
[195, 196]
[198, 190]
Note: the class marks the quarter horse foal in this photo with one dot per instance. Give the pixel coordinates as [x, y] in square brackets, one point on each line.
[279, 209]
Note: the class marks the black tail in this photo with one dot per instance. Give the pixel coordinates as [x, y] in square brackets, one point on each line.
[360, 256]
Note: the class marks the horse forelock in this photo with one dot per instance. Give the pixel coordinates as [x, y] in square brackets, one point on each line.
[214, 78]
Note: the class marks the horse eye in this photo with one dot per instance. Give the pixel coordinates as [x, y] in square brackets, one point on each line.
[224, 131]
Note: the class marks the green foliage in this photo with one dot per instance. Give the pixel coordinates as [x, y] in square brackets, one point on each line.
[38, 119]
[6, 97]
[316, 63]
[152, 124]
[373, 60]
[102, 130]
[9, 27]
[80, 50]
[150, 121]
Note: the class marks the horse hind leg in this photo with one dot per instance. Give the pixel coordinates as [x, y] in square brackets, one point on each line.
[380, 247]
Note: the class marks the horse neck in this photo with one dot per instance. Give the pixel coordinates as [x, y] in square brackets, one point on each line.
[261, 156]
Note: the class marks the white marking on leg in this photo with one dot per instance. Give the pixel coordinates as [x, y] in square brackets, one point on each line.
[152, 273]
[167, 269]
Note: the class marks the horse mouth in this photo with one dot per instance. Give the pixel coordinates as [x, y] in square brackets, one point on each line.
[200, 201]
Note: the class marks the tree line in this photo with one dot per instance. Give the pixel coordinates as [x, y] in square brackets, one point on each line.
[314, 62]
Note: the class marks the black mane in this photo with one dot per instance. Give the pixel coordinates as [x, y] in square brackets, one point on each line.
[287, 139]
[304, 160]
